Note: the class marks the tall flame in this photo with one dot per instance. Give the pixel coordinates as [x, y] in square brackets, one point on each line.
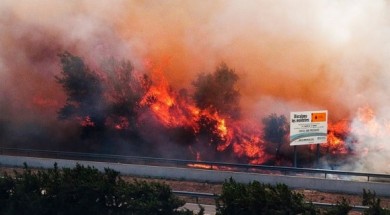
[173, 110]
[337, 134]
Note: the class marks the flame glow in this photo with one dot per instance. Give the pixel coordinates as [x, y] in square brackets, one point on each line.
[175, 111]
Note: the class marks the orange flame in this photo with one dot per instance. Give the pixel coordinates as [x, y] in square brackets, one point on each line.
[337, 133]
[166, 104]
[86, 122]
[368, 128]
[173, 110]
[242, 138]
[248, 142]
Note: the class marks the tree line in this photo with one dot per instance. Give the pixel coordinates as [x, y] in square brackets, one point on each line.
[85, 190]
[109, 97]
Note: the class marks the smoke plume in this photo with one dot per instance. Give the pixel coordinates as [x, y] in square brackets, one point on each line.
[289, 56]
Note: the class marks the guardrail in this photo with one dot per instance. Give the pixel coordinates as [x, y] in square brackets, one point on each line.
[197, 195]
[185, 163]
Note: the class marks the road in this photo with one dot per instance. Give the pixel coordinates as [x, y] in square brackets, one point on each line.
[191, 174]
[209, 209]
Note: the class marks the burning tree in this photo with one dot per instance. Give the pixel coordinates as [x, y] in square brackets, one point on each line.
[124, 91]
[218, 91]
[106, 103]
[118, 105]
[118, 100]
[84, 92]
[275, 130]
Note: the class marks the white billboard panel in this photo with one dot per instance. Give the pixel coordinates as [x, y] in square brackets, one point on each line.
[308, 127]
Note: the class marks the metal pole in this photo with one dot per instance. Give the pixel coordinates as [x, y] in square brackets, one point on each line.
[318, 155]
[295, 156]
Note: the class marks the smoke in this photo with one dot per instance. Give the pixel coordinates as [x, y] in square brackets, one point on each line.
[290, 56]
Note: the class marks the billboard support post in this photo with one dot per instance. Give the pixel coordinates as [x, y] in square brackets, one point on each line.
[318, 155]
[295, 156]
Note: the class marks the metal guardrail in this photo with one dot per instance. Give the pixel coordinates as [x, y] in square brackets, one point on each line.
[360, 208]
[197, 195]
[179, 162]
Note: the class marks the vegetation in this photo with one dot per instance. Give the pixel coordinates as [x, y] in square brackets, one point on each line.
[124, 88]
[84, 190]
[83, 88]
[342, 207]
[218, 91]
[258, 198]
[373, 203]
[112, 104]
[276, 129]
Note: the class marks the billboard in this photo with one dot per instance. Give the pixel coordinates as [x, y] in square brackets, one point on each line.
[308, 127]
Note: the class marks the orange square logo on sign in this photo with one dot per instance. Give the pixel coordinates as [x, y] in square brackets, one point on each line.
[318, 117]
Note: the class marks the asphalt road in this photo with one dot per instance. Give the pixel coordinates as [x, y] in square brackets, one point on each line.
[209, 209]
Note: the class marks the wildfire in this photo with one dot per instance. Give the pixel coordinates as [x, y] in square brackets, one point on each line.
[248, 142]
[242, 137]
[173, 110]
[122, 124]
[166, 105]
[346, 135]
[86, 122]
[368, 128]
[337, 133]
[208, 124]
